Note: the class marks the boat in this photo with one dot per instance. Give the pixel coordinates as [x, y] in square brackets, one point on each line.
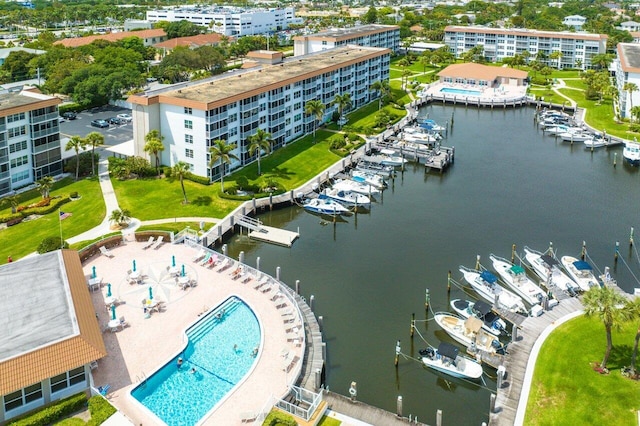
[355, 186]
[548, 269]
[448, 360]
[325, 205]
[516, 278]
[431, 125]
[420, 136]
[468, 332]
[370, 178]
[580, 271]
[487, 287]
[388, 157]
[482, 310]
[559, 129]
[377, 168]
[347, 198]
[631, 153]
[575, 136]
[595, 142]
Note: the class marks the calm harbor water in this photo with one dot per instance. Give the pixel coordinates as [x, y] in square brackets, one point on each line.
[510, 184]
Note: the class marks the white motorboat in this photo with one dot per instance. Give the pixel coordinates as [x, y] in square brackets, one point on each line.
[516, 278]
[431, 125]
[377, 168]
[347, 198]
[631, 153]
[487, 287]
[548, 269]
[448, 360]
[581, 272]
[369, 178]
[419, 136]
[324, 205]
[468, 332]
[388, 157]
[355, 186]
[559, 129]
[575, 136]
[482, 310]
[595, 142]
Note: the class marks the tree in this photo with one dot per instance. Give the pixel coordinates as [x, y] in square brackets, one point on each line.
[382, 87]
[557, 55]
[153, 145]
[632, 308]
[120, 217]
[602, 60]
[221, 151]
[342, 102]
[93, 140]
[635, 112]
[370, 16]
[605, 304]
[13, 201]
[316, 108]
[44, 185]
[181, 169]
[76, 143]
[630, 87]
[259, 141]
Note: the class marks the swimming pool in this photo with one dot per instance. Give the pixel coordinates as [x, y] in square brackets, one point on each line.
[456, 91]
[220, 347]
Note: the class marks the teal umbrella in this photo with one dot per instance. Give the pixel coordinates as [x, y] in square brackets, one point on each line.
[183, 269]
[134, 265]
[93, 272]
[113, 312]
[173, 261]
[150, 293]
[108, 289]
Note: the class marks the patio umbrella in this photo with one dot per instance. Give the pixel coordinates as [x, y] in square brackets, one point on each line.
[183, 269]
[113, 312]
[93, 272]
[134, 265]
[150, 293]
[108, 289]
[173, 261]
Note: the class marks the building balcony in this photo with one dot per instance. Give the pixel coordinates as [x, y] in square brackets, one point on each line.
[44, 117]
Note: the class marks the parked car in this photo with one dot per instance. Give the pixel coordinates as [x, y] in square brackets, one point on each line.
[69, 115]
[125, 117]
[115, 120]
[100, 123]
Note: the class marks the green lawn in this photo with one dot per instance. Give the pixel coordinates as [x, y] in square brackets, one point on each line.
[87, 212]
[566, 391]
[576, 84]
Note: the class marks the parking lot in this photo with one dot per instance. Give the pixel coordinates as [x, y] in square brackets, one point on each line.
[81, 126]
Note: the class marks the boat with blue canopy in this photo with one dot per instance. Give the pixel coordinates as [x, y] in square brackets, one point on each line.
[516, 278]
[581, 272]
[486, 285]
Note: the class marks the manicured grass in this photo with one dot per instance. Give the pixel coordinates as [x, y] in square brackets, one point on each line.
[87, 212]
[576, 84]
[566, 391]
[365, 117]
[82, 244]
[399, 94]
[329, 421]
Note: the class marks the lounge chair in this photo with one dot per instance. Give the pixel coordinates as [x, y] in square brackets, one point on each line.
[249, 416]
[213, 261]
[104, 389]
[198, 257]
[263, 281]
[236, 273]
[123, 322]
[205, 259]
[149, 243]
[158, 242]
[223, 264]
[105, 251]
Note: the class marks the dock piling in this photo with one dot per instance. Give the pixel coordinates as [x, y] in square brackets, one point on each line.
[583, 253]
[513, 252]
[615, 255]
[477, 262]
[492, 403]
[311, 300]
[297, 286]
[615, 157]
[449, 282]
[413, 324]
[631, 238]
[398, 350]
[399, 406]
[258, 263]
[426, 299]
[278, 273]
[439, 418]
[320, 322]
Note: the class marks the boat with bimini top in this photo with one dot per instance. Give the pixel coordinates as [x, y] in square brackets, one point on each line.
[448, 360]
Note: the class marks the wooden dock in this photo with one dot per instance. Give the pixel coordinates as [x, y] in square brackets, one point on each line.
[364, 412]
[277, 236]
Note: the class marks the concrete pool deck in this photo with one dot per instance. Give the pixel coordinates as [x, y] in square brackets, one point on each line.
[148, 343]
[498, 95]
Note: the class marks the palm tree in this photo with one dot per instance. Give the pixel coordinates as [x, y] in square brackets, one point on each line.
[382, 87]
[120, 217]
[44, 185]
[93, 140]
[342, 102]
[13, 201]
[259, 141]
[316, 108]
[222, 151]
[181, 169]
[154, 146]
[606, 304]
[76, 143]
[556, 54]
[632, 308]
[635, 112]
[630, 87]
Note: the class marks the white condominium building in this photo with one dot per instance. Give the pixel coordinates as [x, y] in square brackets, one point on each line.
[387, 36]
[29, 138]
[230, 21]
[576, 48]
[627, 66]
[191, 116]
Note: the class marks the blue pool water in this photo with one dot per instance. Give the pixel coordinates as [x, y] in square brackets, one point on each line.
[181, 398]
[456, 91]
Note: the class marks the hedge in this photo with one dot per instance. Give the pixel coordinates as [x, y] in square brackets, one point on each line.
[53, 413]
[73, 107]
[198, 179]
[250, 196]
[278, 418]
[100, 410]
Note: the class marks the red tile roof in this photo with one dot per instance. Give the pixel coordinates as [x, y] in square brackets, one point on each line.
[481, 72]
[193, 41]
[112, 37]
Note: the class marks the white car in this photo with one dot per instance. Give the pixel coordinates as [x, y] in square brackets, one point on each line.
[125, 117]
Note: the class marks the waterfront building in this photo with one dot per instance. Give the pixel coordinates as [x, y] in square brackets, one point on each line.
[627, 68]
[574, 21]
[499, 43]
[482, 75]
[149, 38]
[50, 335]
[271, 96]
[228, 20]
[29, 138]
[386, 36]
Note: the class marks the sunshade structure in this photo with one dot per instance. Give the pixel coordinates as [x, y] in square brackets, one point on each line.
[448, 350]
[488, 277]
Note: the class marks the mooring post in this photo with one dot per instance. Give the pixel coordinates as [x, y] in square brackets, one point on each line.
[426, 299]
[413, 324]
[398, 350]
[399, 406]
[439, 418]
[477, 262]
[318, 378]
[297, 286]
[631, 238]
[224, 249]
[583, 254]
[258, 263]
[551, 248]
[492, 403]
[514, 333]
[513, 252]
[241, 257]
[311, 300]
[615, 255]
[320, 322]
[501, 371]
[449, 282]
[353, 391]
[278, 273]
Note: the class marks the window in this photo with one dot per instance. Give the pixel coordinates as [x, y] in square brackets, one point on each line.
[16, 162]
[17, 131]
[18, 146]
[188, 153]
[188, 139]
[70, 378]
[188, 110]
[15, 117]
[17, 177]
[188, 124]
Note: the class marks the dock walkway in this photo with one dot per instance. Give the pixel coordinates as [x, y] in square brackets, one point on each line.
[365, 412]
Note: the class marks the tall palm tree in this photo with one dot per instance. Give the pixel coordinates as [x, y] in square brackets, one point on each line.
[632, 308]
[44, 185]
[605, 304]
[259, 141]
[221, 151]
[316, 108]
[13, 201]
[382, 87]
[76, 143]
[153, 145]
[181, 169]
[630, 87]
[93, 140]
[342, 102]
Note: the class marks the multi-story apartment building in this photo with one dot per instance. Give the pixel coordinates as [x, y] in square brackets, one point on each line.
[29, 138]
[386, 36]
[576, 49]
[627, 66]
[228, 20]
[231, 107]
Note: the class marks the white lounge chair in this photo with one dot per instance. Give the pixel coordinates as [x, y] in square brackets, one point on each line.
[158, 242]
[224, 264]
[149, 243]
[262, 282]
[203, 261]
[105, 251]
[201, 254]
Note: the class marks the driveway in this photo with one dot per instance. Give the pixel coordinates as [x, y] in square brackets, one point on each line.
[81, 126]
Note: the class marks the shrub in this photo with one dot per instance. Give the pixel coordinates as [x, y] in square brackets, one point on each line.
[198, 179]
[100, 410]
[85, 164]
[242, 182]
[635, 127]
[51, 414]
[591, 94]
[277, 418]
[51, 244]
[167, 172]
[10, 217]
[74, 194]
[53, 206]
[337, 142]
[335, 116]
[353, 137]
[73, 107]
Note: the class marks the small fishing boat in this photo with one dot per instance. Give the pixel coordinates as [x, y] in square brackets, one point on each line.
[548, 269]
[559, 129]
[369, 178]
[388, 157]
[347, 198]
[355, 186]
[516, 278]
[631, 153]
[448, 360]
[491, 322]
[487, 287]
[431, 125]
[377, 168]
[595, 142]
[580, 271]
[575, 136]
[325, 205]
[468, 332]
